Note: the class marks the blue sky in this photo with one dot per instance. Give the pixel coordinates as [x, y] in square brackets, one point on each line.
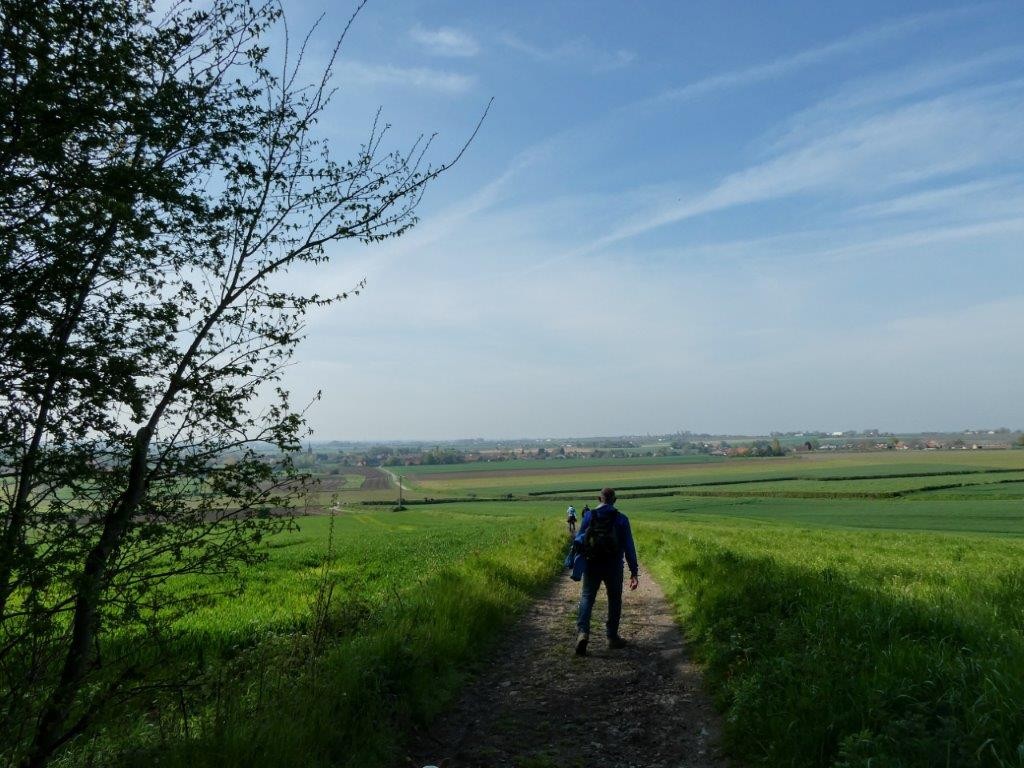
[716, 216]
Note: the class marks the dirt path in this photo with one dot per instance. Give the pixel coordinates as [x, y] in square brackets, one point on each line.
[539, 706]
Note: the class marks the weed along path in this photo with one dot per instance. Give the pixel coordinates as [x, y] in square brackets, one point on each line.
[539, 706]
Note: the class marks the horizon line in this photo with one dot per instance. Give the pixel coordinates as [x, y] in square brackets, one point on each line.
[790, 433]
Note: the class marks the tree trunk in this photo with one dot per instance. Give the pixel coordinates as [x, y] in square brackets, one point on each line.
[27, 470]
[55, 713]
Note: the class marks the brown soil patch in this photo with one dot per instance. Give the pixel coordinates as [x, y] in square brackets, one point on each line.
[376, 479]
[540, 706]
[334, 483]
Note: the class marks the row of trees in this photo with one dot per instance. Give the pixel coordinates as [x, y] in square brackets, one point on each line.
[156, 174]
[758, 448]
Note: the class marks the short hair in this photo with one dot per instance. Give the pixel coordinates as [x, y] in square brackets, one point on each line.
[608, 495]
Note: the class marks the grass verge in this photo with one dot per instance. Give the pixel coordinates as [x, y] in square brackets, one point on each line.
[844, 650]
[344, 686]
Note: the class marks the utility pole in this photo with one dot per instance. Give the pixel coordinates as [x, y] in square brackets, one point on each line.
[399, 490]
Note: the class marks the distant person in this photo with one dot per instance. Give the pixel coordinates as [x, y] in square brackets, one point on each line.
[570, 519]
[607, 540]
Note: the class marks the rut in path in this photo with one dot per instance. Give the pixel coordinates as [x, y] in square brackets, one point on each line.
[539, 706]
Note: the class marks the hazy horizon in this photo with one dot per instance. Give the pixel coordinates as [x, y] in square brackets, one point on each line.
[729, 216]
[984, 430]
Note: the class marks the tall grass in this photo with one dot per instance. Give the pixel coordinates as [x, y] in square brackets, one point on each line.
[854, 649]
[338, 655]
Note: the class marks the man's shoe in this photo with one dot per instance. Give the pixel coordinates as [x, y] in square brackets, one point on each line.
[581, 644]
[617, 642]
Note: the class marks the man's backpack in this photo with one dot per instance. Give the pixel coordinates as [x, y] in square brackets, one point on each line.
[601, 541]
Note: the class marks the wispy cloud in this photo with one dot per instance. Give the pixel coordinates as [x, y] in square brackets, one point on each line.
[982, 196]
[446, 41]
[581, 51]
[920, 79]
[878, 92]
[448, 222]
[905, 145]
[828, 113]
[874, 216]
[378, 75]
[801, 60]
[927, 236]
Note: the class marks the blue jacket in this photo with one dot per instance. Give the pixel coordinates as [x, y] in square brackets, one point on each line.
[626, 545]
[576, 560]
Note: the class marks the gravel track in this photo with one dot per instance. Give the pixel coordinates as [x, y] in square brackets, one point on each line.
[539, 706]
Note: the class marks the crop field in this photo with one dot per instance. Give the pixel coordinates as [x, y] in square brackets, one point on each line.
[868, 610]
[357, 626]
[889, 487]
[856, 632]
[832, 647]
[809, 473]
[1004, 489]
[859, 610]
[543, 465]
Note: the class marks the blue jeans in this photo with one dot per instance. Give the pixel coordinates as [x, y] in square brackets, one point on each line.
[611, 575]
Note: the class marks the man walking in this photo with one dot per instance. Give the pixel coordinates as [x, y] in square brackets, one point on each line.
[607, 540]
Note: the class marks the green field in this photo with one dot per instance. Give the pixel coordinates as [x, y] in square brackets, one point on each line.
[883, 628]
[890, 487]
[353, 482]
[1005, 489]
[552, 476]
[544, 465]
[833, 647]
[358, 627]
[836, 630]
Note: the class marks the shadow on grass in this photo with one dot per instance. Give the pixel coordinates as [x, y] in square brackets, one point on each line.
[351, 700]
[813, 669]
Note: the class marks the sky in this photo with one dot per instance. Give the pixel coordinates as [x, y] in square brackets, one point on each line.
[728, 217]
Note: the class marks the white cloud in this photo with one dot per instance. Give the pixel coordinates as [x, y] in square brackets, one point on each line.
[971, 129]
[900, 85]
[376, 75]
[999, 196]
[580, 51]
[895, 251]
[446, 41]
[688, 338]
[788, 64]
[617, 347]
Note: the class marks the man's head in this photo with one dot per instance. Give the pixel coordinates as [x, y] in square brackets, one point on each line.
[607, 496]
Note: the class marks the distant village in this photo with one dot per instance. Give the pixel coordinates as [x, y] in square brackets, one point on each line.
[679, 444]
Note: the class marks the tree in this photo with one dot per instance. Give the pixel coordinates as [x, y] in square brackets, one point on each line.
[156, 177]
